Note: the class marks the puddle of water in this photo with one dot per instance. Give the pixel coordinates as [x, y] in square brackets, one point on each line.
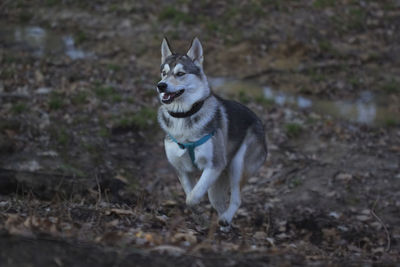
[367, 108]
[41, 42]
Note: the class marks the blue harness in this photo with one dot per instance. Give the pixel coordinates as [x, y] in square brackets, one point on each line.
[192, 145]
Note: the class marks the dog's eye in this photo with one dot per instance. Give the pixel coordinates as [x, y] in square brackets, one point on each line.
[164, 73]
[179, 74]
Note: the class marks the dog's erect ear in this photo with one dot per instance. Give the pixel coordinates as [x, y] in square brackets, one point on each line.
[196, 52]
[165, 50]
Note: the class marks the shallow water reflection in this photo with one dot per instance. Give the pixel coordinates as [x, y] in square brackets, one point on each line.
[41, 42]
[365, 108]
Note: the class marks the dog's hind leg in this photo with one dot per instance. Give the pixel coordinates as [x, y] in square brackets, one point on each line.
[235, 175]
[218, 194]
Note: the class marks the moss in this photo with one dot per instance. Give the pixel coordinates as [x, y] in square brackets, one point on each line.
[293, 129]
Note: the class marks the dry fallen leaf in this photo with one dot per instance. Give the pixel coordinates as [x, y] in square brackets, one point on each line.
[189, 237]
[119, 212]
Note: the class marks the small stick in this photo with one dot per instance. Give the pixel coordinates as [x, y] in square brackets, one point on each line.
[388, 245]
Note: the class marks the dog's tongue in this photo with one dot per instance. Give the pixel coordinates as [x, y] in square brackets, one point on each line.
[167, 96]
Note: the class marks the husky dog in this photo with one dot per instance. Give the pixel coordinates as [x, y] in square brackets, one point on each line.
[222, 139]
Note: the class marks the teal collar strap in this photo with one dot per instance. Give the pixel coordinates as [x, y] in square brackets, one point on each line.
[192, 145]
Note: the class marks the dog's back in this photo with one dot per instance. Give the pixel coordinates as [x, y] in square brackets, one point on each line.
[241, 122]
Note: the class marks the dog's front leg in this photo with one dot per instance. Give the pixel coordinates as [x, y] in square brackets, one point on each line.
[207, 179]
[187, 182]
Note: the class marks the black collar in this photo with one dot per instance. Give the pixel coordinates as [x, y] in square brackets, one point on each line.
[196, 107]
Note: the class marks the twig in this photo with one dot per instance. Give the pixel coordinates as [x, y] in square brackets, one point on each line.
[388, 245]
[98, 191]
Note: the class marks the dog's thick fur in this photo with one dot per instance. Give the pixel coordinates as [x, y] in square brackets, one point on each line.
[236, 149]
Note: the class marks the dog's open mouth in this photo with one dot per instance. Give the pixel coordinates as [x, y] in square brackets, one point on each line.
[169, 97]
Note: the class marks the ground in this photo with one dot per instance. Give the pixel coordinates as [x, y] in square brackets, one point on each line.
[83, 174]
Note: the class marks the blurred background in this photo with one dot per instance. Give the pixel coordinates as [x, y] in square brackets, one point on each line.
[78, 125]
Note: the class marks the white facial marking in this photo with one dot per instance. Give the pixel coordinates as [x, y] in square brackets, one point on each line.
[178, 68]
[165, 70]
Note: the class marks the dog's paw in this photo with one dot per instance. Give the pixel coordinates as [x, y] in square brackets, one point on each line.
[224, 221]
[225, 229]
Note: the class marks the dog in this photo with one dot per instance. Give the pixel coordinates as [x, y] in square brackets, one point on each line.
[222, 139]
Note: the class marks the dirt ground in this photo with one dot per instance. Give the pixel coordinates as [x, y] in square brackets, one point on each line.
[83, 175]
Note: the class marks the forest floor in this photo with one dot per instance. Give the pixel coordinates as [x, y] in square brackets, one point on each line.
[83, 174]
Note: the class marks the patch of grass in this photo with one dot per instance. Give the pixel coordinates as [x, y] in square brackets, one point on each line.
[56, 101]
[171, 13]
[104, 91]
[113, 67]
[80, 37]
[60, 135]
[211, 25]
[143, 119]
[104, 132]
[357, 18]
[8, 59]
[130, 100]
[52, 3]
[25, 16]
[355, 82]
[80, 98]
[316, 76]
[391, 87]
[293, 129]
[69, 169]
[116, 98]
[264, 101]
[9, 125]
[324, 3]
[19, 108]
[390, 122]
[296, 182]
[326, 47]
[243, 97]
[8, 73]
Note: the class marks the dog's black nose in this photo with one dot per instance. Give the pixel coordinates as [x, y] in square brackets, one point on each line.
[162, 87]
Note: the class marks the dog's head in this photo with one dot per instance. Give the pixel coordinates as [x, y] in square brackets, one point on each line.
[182, 78]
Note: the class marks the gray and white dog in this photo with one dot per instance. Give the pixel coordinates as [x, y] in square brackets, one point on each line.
[204, 132]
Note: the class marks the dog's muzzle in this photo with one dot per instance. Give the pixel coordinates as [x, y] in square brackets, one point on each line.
[168, 97]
